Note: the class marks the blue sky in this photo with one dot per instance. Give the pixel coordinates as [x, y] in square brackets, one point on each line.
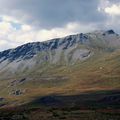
[23, 21]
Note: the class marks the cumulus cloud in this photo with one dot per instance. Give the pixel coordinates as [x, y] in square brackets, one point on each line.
[113, 10]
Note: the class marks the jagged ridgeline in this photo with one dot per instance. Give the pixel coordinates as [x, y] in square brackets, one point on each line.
[60, 51]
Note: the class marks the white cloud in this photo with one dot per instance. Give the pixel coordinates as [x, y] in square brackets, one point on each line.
[5, 27]
[6, 44]
[26, 27]
[108, 7]
[113, 10]
[70, 28]
[12, 37]
[7, 18]
[3, 42]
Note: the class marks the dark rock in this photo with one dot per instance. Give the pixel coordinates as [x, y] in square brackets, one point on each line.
[17, 92]
[1, 99]
[109, 32]
[83, 38]
[22, 80]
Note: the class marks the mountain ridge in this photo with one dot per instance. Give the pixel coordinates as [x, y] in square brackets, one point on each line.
[36, 47]
[66, 50]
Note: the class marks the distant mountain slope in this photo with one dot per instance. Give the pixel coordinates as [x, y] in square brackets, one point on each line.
[69, 65]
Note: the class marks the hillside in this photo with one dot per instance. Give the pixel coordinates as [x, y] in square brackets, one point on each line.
[64, 66]
[72, 78]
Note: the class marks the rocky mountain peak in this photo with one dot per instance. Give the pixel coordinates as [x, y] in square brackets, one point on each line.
[109, 32]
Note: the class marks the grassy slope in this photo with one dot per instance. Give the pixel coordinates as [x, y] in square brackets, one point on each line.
[100, 72]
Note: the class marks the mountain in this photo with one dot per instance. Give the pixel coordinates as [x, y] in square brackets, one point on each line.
[65, 50]
[68, 65]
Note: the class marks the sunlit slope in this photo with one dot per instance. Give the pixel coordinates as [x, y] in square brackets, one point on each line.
[101, 72]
